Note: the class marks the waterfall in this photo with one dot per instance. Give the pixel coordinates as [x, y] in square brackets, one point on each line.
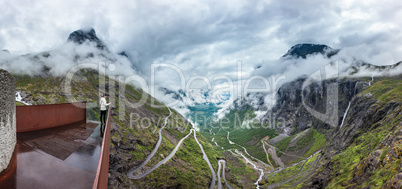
[372, 79]
[344, 115]
[18, 98]
[347, 109]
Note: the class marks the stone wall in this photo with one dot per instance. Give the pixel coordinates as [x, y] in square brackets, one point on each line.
[8, 136]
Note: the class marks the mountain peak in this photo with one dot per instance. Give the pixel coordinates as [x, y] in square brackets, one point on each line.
[302, 50]
[85, 35]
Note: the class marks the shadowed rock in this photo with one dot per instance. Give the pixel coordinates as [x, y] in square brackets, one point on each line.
[86, 35]
[303, 50]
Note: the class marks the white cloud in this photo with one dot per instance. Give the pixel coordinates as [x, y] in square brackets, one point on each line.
[207, 38]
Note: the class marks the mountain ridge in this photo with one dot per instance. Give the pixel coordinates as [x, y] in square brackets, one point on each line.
[367, 136]
[86, 35]
[130, 142]
[305, 49]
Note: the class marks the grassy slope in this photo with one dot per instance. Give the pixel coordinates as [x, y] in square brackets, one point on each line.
[313, 139]
[354, 160]
[196, 173]
[238, 174]
[186, 169]
[290, 172]
[249, 137]
[351, 160]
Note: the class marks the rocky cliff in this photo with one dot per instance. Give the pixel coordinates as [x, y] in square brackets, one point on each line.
[292, 100]
[87, 35]
[367, 150]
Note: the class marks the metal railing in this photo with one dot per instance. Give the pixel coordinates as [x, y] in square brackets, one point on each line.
[102, 173]
[36, 117]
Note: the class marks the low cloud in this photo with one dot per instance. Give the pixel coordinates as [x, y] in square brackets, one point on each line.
[212, 33]
[203, 38]
[59, 61]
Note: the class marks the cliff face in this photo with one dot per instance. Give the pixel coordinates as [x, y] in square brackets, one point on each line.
[290, 107]
[364, 149]
[367, 150]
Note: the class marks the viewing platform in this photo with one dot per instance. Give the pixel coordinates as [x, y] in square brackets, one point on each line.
[58, 148]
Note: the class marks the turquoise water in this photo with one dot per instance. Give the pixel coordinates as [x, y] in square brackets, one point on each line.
[202, 113]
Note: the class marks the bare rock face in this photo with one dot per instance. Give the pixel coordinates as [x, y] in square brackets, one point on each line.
[86, 35]
[303, 50]
[8, 136]
[291, 96]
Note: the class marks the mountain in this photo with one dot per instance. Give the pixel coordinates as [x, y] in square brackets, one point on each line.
[81, 47]
[366, 150]
[353, 68]
[307, 138]
[41, 79]
[303, 50]
[134, 131]
[362, 149]
[312, 139]
[360, 67]
[86, 36]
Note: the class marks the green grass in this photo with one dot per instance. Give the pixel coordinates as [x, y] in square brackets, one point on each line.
[288, 172]
[312, 138]
[248, 136]
[346, 161]
[284, 143]
[353, 160]
[133, 144]
[385, 90]
[319, 142]
[187, 169]
[19, 104]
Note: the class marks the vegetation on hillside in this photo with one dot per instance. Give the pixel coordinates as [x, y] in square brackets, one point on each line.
[374, 158]
[131, 141]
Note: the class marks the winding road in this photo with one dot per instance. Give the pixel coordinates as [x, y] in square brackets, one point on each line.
[248, 161]
[131, 172]
[291, 177]
[278, 160]
[294, 176]
[255, 167]
[310, 173]
[221, 163]
[131, 175]
[266, 153]
[245, 150]
[209, 163]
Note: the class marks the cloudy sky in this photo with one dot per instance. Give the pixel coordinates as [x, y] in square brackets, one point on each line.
[208, 37]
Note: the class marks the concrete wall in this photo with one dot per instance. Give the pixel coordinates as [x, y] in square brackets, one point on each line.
[8, 136]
